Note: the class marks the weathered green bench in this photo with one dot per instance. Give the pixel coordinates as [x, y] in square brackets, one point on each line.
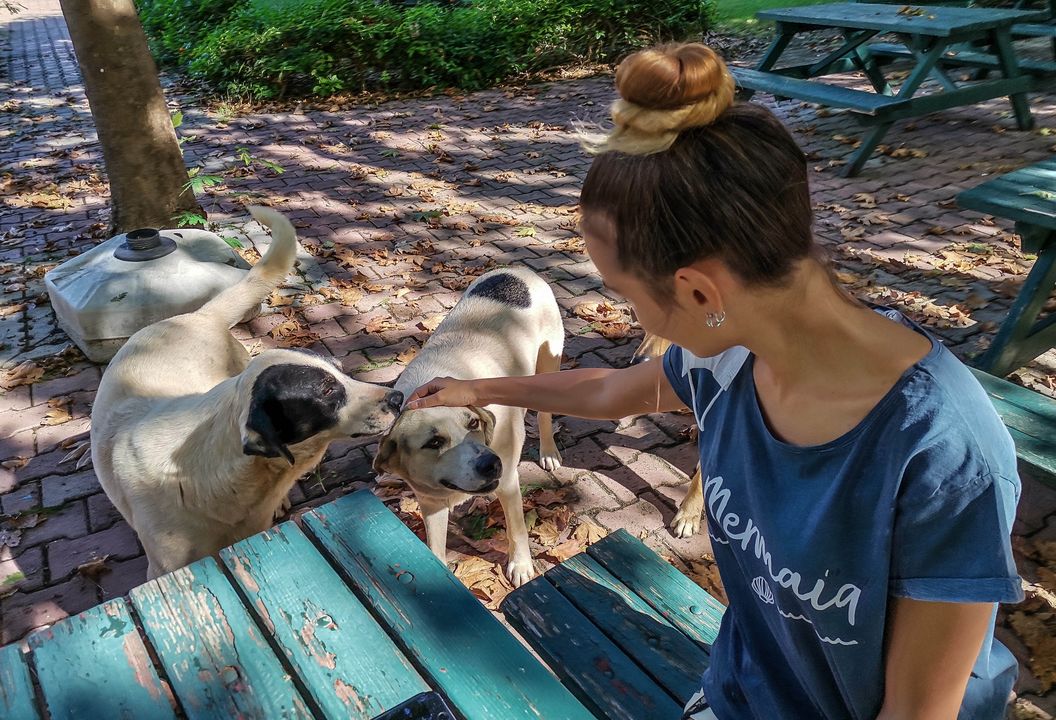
[1031, 420]
[1028, 197]
[344, 619]
[625, 631]
[926, 38]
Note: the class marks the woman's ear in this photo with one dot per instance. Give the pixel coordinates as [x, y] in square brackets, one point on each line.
[697, 287]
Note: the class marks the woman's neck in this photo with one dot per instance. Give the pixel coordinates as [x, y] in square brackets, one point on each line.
[809, 334]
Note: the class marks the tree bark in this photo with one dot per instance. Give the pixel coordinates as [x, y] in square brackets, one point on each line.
[143, 160]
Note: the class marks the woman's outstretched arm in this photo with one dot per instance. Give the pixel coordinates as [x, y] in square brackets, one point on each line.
[594, 393]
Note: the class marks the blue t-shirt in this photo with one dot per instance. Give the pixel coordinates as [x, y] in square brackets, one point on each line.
[917, 501]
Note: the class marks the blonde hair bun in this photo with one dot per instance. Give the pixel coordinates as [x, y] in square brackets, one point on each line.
[663, 91]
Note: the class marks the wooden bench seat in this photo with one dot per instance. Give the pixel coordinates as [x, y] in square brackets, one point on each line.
[625, 631]
[1031, 420]
[965, 58]
[345, 618]
[780, 86]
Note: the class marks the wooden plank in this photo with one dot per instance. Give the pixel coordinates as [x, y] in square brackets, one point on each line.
[669, 657]
[343, 657]
[1005, 393]
[935, 22]
[675, 597]
[1023, 195]
[1031, 421]
[94, 665]
[219, 662]
[598, 672]
[16, 688]
[869, 103]
[459, 646]
[1032, 30]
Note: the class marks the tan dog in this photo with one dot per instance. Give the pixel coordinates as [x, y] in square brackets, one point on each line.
[686, 522]
[196, 444]
[507, 323]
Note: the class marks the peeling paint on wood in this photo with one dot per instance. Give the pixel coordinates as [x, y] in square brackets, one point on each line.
[218, 662]
[95, 665]
[350, 667]
[16, 688]
[484, 672]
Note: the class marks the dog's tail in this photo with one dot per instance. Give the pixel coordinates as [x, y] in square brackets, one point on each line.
[235, 302]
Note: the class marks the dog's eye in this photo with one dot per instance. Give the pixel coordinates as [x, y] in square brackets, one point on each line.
[474, 424]
[434, 443]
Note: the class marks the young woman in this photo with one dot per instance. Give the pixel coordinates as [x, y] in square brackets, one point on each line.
[859, 487]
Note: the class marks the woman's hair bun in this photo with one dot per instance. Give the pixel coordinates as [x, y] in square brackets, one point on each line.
[664, 90]
[671, 76]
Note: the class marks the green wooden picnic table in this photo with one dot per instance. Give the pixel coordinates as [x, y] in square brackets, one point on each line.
[344, 619]
[927, 34]
[1027, 197]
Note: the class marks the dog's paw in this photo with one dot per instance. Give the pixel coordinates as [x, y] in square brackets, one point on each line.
[283, 508]
[520, 571]
[549, 459]
[686, 523]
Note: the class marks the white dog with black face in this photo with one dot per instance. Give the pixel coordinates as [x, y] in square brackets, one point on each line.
[507, 323]
[196, 444]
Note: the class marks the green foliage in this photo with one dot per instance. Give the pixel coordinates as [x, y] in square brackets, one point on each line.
[273, 48]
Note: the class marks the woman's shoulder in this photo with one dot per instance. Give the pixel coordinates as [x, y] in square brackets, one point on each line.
[959, 439]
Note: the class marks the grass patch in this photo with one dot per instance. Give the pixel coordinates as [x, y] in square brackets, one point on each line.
[739, 15]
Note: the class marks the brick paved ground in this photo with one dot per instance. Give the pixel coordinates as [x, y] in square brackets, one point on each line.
[426, 192]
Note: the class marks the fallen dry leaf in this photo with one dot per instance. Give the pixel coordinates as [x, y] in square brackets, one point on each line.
[588, 532]
[562, 552]
[380, 324]
[94, 569]
[25, 374]
[431, 323]
[407, 355]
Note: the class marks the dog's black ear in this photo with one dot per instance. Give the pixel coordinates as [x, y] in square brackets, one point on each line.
[487, 422]
[260, 437]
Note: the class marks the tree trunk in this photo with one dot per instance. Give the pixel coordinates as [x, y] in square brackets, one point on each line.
[143, 160]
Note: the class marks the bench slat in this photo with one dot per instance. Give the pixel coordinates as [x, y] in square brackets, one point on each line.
[678, 599]
[1031, 420]
[219, 662]
[1033, 30]
[94, 665]
[1023, 195]
[668, 656]
[588, 662]
[347, 662]
[16, 687]
[434, 618]
[868, 103]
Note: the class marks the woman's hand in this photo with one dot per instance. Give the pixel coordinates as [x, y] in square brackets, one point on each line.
[445, 392]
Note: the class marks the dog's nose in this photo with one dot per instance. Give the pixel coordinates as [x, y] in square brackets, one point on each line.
[395, 400]
[488, 466]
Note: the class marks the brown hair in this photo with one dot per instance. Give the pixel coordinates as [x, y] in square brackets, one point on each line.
[703, 177]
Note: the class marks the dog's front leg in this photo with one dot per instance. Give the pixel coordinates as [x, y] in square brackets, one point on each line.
[687, 522]
[435, 514]
[520, 568]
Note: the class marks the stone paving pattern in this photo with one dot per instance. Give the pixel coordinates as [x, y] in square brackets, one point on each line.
[425, 193]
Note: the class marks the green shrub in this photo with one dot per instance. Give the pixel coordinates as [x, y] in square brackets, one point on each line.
[273, 48]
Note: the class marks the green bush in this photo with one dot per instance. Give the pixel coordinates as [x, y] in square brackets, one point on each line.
[273, 48]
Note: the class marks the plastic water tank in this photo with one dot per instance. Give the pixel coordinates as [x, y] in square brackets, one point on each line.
[106, 294]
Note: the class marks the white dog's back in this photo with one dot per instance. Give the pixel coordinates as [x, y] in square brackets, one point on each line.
[495, 329]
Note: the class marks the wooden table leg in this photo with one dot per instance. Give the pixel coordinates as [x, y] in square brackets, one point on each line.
[783, 37]
[1006, 55]
[1021, 337]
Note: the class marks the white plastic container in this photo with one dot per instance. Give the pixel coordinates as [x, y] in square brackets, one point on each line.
[106, 294]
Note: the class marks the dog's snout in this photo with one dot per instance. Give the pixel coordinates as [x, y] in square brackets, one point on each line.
[395, 400]
[488, 466]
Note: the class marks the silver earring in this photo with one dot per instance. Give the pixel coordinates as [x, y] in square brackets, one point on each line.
[714, 320]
